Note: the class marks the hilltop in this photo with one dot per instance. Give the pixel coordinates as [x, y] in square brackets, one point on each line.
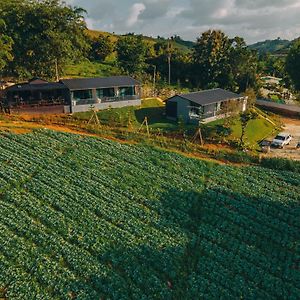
[176, 41]
[270, 46]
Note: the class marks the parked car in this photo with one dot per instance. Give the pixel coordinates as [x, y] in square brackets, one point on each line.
[265, 146]
[281, 140]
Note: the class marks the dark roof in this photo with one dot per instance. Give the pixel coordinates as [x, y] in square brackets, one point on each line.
[37, 80]
[36, 87]
[99, 82]
[210, 96]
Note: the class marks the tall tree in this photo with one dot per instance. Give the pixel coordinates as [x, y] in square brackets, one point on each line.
[44, 32]
[179, 60]
[131, 54]
[5, 47]
[210, 59]
[293, 65]
[243, 65]
[219, 61]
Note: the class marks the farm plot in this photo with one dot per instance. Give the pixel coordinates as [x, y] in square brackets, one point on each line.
[84, 218]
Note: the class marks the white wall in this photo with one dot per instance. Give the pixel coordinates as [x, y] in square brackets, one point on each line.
[106, 105]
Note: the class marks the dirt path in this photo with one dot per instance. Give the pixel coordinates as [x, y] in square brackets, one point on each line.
[291, 126]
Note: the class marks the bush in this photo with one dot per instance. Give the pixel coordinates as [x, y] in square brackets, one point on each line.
[237, 157]
[281, 164]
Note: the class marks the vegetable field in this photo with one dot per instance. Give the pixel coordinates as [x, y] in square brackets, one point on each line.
[84, 218]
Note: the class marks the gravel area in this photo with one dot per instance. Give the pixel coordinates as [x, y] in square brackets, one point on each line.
[291, 126]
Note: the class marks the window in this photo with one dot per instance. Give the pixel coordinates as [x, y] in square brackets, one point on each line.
[105, 93]
[196, 111]
[82, 94]
[126, 91]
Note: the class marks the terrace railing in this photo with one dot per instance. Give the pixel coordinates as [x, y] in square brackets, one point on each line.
[106, 99]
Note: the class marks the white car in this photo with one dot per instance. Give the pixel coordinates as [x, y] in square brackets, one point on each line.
[281, 140]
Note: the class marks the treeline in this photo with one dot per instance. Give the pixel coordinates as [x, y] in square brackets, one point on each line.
[215, 60]
[37, 35]
[40, 37]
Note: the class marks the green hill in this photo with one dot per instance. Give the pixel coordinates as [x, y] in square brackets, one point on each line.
[270, 46]
[87, 218]
[176, 41]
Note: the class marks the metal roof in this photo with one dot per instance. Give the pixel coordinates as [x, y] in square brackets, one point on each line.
[36, 87]
[210, 96]
[99, 82]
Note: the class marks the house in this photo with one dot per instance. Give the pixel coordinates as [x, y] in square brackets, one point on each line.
[102, 93]
[73, 95]
[206, 105]
[35, 92]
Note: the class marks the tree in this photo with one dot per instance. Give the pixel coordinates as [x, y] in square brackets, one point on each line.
[180, 61]
[293, 65]
[131, 54]
[43, 32]
[219, 61]
[5, 47]
[243, 65]
[101, 47]
[211, 59]
[251, 95]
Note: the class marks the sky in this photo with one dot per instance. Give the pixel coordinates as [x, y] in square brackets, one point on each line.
[254, 20]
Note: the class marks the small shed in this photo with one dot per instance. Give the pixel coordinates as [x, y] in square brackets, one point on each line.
[208, 105]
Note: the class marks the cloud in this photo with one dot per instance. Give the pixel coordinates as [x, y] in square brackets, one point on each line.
[135, 11]
[252, 19]
[155, 9]
[257, 4]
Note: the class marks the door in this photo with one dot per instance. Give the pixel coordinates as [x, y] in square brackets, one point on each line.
[171, 109]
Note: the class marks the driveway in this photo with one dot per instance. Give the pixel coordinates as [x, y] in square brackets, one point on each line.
[291, 126]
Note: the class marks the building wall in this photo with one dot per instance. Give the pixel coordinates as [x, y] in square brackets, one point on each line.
[183, 108]
[100, 106]
[210, 111]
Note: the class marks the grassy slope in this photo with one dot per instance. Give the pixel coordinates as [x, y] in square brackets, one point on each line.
[108, 68]
[84, 218]
[91, 69]
[182, 45]
[256, 130]
[271, 46]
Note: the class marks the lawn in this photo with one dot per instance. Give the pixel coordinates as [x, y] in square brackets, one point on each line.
[133, 116]
[154, 110]
[256, 130]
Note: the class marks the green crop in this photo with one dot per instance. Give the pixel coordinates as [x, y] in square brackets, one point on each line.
[88, 218]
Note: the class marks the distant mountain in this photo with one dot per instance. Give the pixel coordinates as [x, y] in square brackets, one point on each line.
[271, 46]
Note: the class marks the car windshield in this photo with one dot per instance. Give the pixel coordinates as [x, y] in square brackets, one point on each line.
[280, 137]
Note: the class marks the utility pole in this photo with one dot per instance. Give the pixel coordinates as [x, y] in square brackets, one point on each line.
[169, 61]
[56, 70]
[154, 79]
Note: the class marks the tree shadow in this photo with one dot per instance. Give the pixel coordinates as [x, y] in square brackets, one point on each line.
[208, 244]
[213, 245]
[153, 114]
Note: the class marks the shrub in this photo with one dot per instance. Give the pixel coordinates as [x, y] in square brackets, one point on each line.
[281, 164]
[237, 157]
